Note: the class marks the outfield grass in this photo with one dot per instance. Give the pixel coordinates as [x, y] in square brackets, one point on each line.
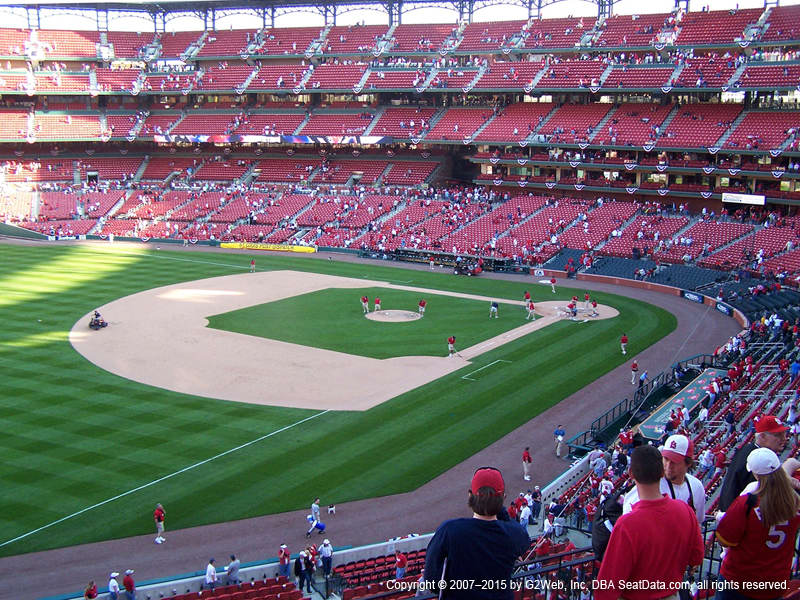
[75, 435]
[333, 319]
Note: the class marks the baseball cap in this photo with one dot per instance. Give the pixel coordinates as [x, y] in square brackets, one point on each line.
[129, 572]
[677, 448]
[302, 552]
[326, 541]
[763, 461]
[770, 424]
[284, 546]
[488, 477]
[114, 574]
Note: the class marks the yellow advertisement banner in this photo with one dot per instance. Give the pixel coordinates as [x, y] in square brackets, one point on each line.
[272, 247]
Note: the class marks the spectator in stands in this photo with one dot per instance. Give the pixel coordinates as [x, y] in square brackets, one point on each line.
[770, 433]
[400, 563]
[113, 586]
[232, 571]
[677, 457]
[91, 591]
[129, 584]
[706, 463]
[283, 561]
[655, 542]
[300, 571]
[760, 542]
[326, 554]
[483, 548]
[211, 575]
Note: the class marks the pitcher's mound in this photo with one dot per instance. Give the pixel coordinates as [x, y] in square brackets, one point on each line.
[393, 316]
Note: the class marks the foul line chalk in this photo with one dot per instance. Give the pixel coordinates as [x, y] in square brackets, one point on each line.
[494, 362]
[160, 479]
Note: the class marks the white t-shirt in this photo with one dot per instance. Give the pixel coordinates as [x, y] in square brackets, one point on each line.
[525, 515]
[681, 493]
[211, 574]
[113, 585]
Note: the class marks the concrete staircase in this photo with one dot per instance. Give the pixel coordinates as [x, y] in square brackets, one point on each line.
[304, 79]
[316, 46]
[253, 74]
[601, 125]
[195, 47]
[606, 73]
[303, 124]
[482, 127]
[371, 126]
[379, 180]
[665, 123]
[425, 84]
[435, 118]
[676, 73]
[142, 168]
[532, 135]
[721, 141]
[362, 82]
[736, 75]
[93, 87]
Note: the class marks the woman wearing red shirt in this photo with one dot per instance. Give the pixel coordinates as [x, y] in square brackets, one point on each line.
[759, 529]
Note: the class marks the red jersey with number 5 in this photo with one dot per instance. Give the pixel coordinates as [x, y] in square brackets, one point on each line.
[757, 553]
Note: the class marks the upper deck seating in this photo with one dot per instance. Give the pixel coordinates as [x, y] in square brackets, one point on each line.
[489, 36]
[764, 130]
[458, 123]
[516, 122]
[420, 38]
[509, 75]
[716, 26]
[699, 125]
[631, 30]
[360, 39]
[556, 33]
[784, 24]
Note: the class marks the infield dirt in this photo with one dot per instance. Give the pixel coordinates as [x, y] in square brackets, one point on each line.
[168, 326]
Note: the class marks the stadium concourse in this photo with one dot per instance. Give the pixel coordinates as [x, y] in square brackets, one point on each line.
[662, 148]
[698, 331]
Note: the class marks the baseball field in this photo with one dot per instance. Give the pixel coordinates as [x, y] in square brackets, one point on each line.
[88, 450]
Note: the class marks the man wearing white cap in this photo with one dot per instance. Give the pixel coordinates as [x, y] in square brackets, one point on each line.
[326, 553]
[113, 586]
[283, 561]
[130, 585]
[677, 454]
[211, 575]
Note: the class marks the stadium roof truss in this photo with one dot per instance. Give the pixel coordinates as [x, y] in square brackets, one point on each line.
[159, 14]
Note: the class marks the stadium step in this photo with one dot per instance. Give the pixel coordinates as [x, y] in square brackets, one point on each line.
[249, 80]
[676, 73]
[302, 124]
[730, 129]
[736, 75]
[601, 125]
[606, 73]
[379, 180]
[194, 47]
[665, 123]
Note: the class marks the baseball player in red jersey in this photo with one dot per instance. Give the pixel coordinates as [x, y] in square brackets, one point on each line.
[634, 372]
[553, 284]
[377, 304]
[252, 265]
[594, 309]
[623, 343]
[531, 314]
[451, 345]
[421, 308]
[586, 299]
[365, 304]
[526, 297]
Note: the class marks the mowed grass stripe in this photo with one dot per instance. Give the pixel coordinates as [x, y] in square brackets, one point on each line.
[84, 435]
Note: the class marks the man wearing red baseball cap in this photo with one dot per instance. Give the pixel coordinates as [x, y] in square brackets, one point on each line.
[481, 549]
[770, 433]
